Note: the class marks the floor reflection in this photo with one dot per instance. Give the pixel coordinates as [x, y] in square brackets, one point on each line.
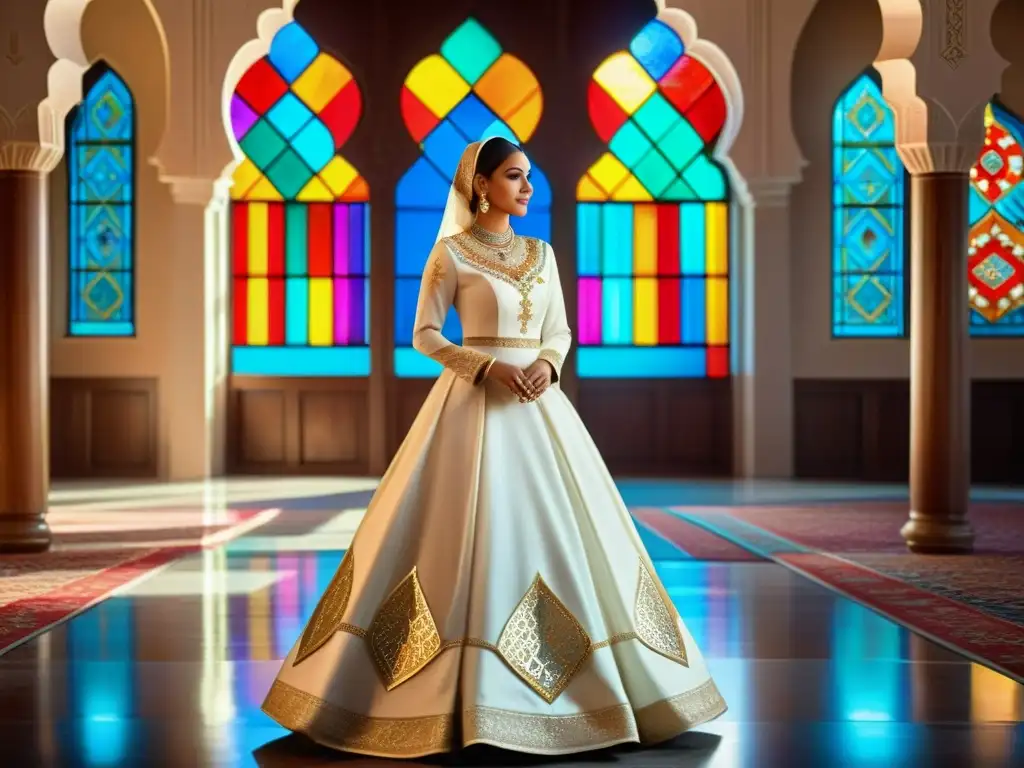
[173, 672]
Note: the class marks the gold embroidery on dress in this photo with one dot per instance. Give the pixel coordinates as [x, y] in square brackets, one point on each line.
[504, 342]
[549, 733]
[543, 642]
[552, 357]
[465, 363]
[403, 637]
[520, 270]
[654, 616]
[436, 273]
[667, 718]
[326, 619]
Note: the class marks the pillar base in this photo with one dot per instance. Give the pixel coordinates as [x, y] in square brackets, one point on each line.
[936, 535]
[24, 533]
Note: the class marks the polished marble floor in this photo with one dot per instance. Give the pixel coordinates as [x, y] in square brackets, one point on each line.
[171, 672]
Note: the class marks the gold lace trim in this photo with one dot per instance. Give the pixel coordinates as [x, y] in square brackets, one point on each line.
[337, 727]
[326, 619]
[504, 342]
[552, 357]
[654, 618]
[465, 363]
[403, 637]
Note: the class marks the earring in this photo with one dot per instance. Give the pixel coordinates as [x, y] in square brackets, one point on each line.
[484, 205]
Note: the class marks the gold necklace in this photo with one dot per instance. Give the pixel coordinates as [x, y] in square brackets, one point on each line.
[500, 243]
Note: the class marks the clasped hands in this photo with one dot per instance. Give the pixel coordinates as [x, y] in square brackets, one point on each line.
[528, 384]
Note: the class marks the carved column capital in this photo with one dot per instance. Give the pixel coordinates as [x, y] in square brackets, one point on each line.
[28, 156]
[771, 191]
[190, 190]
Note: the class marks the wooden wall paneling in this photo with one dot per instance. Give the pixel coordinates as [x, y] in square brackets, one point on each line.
[103, 428]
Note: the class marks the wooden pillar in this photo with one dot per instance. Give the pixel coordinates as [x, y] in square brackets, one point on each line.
[939, 370]
[24, 362]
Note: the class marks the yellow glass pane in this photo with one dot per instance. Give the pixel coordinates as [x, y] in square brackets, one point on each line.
[525, 119]
[631, 191]
[263, 190]
[321, 82]
[244, 176]
[338, 174]
[506, 85]
[717, 297]
[588, 191]
[437, 85]
[258, 236]
[716, 226]
[321, 312]
[645, 240]
[258, 306]
[645, 311]
[625, 81]
[608, 172]
[315, 191]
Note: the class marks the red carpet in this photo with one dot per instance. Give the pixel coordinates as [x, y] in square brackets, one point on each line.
[94, 554]
[691, 539]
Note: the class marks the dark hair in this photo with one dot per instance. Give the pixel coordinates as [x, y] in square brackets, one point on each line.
[495, 152]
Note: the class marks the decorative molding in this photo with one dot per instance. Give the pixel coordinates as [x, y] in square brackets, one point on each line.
[29, 156]
[14, 55]
[936, 157]
[955, 49]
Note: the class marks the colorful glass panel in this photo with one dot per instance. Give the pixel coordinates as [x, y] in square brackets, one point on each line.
[469, 91]
[300, 217]
[868, 215]
[653, 218]
[995, 260]
[101, 208]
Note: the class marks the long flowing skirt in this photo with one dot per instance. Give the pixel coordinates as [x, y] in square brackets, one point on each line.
[496, 592]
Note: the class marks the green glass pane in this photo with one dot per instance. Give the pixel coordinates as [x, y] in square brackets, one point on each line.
[471, 50]
[629, 144]
[654, 173]
[706, 178]
[295, 248]
[681, 145]
[679, 190]
[262, 144]
[656, 116]
[289, 174]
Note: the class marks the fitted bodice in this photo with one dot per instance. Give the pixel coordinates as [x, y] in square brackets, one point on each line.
[500, 298]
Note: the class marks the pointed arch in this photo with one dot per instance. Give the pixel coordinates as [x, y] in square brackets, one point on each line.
[100, 141]
[869, 216]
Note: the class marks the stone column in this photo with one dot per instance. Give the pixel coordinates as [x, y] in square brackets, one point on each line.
[940, 380]
[24, 352]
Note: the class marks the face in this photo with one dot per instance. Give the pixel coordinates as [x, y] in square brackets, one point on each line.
[509, 188]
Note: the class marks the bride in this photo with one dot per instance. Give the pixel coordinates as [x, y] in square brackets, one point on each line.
[496, 591]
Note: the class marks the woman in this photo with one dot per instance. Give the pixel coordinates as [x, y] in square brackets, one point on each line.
[496, 591]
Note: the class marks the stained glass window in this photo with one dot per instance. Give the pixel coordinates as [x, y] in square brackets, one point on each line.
[653, 218]
[869, 241]
[300, 217]
[995, 261]
[468, 91]
[101, 208]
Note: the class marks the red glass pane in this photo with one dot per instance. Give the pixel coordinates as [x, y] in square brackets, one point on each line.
[606, 115]
[418, 119]
[275, 269]
[669, 316]
[718, 362]
[341, 115]
[707, 116]
[261, 86]
[319, 240]
[239, 302]
[358, 191]
[685, 83]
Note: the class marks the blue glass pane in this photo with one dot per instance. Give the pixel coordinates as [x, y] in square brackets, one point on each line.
[499, 129]
[471, 50]
[292, 50]
[452, 328]
[407, 291]
[301, 361]
[541, 189]
[289, 115]
[444, 147]
[617, 239]
[536, 224]
[692, 229]
[693, 314]
[1010, 325]
[863, 116]
[706, 179]
[641, 362]
[415, 234]
[869, 176]
[423, 186]
[681, 144]
[617, 306]
[656, 47]
[656, 116]
[472, 117]
[296, 302]
[629, 144]
[410, 364]
[588, 240]
[314, 145]
[871, 305]
[107, 112]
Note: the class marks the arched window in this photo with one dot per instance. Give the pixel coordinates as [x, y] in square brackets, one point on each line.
[300, 217]
[868, 215]
[101, 208]
[469, 91]
[995, 261]
[652, 218]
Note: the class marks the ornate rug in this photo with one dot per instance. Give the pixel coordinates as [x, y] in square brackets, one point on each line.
[971, 603]
[96, 553]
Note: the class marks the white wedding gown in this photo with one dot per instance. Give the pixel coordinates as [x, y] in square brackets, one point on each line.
[496, 591]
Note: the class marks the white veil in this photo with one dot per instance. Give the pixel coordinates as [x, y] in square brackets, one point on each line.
[457, 216]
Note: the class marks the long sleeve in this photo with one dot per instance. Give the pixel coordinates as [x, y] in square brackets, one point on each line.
[555, 336]
[437, 292]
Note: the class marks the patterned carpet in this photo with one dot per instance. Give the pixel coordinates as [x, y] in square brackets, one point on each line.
[95, 553]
